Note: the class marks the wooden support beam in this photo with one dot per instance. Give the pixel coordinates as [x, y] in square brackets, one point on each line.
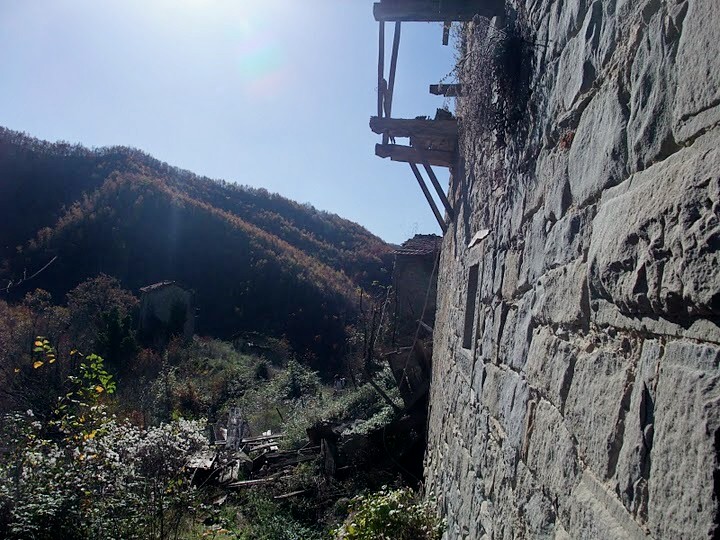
[381, 68]
[393, 69]
[431, 202]
[447, 90]
[435, 183]
[391, 78]
[408, 154]
[436, 10]
[446, 32]
[425, 129]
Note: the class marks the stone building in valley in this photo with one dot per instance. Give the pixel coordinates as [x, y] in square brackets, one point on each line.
[166, 309]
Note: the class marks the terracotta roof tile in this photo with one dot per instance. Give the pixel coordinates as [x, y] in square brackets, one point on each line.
[420, 244]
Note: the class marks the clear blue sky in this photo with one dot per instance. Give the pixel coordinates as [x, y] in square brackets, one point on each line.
[269, 93]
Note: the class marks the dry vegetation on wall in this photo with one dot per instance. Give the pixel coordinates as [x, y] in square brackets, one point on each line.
[495, 66]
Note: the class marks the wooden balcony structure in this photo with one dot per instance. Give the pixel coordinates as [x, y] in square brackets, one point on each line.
[432, 142]
[436, 10]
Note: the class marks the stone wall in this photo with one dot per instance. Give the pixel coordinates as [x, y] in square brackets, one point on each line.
[587, 403]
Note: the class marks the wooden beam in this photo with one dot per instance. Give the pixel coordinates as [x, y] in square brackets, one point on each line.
[381, 68]
[393, 69]
[446, 32]
[436, 10]
[439, 189]
[408, 154]
[391, 79]
[426, 129]
[447, 90]
[431, 202]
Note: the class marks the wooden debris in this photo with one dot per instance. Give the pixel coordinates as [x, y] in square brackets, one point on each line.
[256, 482]
[263, 438]
[291, 494]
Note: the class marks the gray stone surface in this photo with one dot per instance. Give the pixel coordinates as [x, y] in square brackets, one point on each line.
[589, 405]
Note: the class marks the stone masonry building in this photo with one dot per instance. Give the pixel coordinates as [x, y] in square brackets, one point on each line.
[576, 381]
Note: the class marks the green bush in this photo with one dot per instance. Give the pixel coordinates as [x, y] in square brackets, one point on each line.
[82, 474]
[390, 515]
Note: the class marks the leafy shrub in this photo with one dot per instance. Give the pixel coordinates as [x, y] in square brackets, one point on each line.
[390, 515]
[83, 474]
[297, 381]
[266, 520]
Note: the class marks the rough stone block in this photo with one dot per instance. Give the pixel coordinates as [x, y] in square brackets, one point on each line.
[651, 90]
[505, 397]
[597, 403]
[598, 153]
[655, 245]
[634, 461]
[569, 238]
[562, 296]
[551, 454]
[697, 101]
[550, 367]
[684, 470]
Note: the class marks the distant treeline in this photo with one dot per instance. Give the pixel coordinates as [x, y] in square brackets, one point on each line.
[256, 260]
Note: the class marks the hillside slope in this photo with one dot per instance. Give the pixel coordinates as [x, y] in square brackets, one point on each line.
[257, 261]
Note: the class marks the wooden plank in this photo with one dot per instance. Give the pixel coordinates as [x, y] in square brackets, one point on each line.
[250, 483]
[447, 90]
[402, 127]
[436, 10]
[261, 447]
[431, 202]
[381, 69]
[291, 494]
[263, 438]
[408, 154]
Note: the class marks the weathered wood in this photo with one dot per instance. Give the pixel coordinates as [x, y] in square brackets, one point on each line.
[446, 145]
[291, 494]
[446, 32]
[388, 96]
[381, 68]
[436, 10]
[261, 447]
[447, 90]
[430, 200]
[263, 438]
[393, 69]
[425, 326]
[403, 127]
[408, 154]
[435, 183]
[250, 483]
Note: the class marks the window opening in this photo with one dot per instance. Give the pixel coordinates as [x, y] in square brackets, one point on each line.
[470, 306]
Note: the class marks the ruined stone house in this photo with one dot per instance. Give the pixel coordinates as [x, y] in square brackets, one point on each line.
[576, 380]
[414, 285]
[166, 309]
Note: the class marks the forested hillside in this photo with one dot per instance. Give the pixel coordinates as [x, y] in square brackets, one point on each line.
[255, 260]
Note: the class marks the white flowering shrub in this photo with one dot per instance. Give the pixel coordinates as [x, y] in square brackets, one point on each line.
[83, 474]
[118, 481]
